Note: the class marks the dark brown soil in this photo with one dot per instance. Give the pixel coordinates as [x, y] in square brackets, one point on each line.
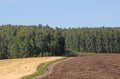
[94, 66]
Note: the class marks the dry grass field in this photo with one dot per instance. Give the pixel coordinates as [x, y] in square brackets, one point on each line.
[17, 68]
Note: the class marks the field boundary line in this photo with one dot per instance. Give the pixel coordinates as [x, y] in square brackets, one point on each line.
[49, 69]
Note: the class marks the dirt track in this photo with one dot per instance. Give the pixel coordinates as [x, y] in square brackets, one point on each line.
[49, 69]
[97, 66]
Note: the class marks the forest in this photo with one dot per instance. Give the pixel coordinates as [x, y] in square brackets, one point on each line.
[18, 41]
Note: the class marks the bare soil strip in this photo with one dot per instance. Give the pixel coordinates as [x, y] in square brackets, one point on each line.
[95, 66]
[49, 69]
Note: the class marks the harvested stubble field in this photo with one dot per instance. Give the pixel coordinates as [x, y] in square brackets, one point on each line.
[17, 68]
[94, 66]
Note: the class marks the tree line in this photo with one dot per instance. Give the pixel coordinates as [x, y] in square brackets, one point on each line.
[27, 41]
[99, 40]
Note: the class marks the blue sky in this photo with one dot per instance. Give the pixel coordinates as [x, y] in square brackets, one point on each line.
[61, 13]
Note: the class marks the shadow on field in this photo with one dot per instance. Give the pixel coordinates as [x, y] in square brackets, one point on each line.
[69, 53]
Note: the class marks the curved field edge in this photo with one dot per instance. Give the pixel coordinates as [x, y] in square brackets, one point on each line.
[95, 66]
[42, 68]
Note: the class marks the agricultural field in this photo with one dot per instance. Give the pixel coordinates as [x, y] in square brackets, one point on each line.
[88, 66]
[17, 68]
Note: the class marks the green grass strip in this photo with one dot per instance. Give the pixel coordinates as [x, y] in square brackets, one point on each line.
[86, 53]
[42, 68]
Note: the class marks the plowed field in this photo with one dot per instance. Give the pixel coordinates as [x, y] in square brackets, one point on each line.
[93, 66]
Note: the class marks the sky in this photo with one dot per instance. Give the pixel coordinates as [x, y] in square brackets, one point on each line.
[61, 13]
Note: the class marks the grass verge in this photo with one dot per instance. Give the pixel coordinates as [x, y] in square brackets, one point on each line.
[42, 68]
[86, 53]
[72, 53]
